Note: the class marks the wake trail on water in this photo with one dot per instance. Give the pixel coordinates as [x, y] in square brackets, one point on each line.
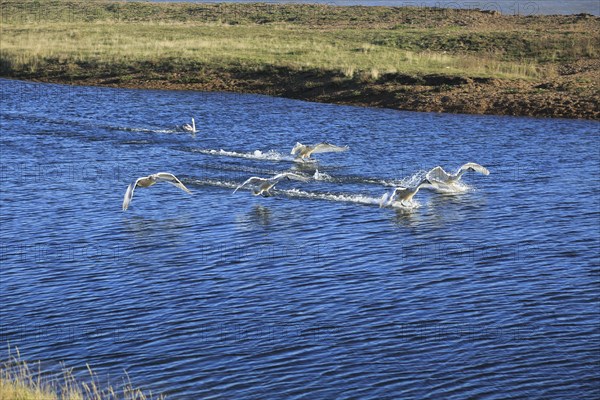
[340, 197]
[301, 194]
[409, 181]
[141, 130]
[89, 123]
[316, 175]
[212, 182]
[325, 177]
[343, 197]
[270, 155]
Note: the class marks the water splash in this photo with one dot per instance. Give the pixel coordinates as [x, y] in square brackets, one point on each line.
[451, 188]
[323, 176]
[413, 180]
[404, 205]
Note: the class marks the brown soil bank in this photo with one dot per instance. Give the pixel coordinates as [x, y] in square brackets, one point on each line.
[421, 59]
[559, 98]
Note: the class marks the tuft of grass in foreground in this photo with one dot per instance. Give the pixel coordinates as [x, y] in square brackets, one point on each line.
[18, 381]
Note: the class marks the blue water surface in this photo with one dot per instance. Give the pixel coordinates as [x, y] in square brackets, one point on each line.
[314, 292]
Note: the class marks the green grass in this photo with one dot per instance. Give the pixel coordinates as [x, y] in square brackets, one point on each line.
[18, 381]
[122, 38]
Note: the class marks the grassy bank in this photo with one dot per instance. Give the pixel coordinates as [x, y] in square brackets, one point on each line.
[19, 381]
[405, 58]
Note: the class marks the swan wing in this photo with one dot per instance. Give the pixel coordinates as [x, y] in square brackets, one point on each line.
[328, 148]
[172, 179]
[129, 194]
[297, 147]
[384, 200]
[180, 186]
[251, 181]
[475, 167]
[438, 174]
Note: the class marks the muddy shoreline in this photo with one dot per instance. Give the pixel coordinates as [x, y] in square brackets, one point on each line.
[428, 93]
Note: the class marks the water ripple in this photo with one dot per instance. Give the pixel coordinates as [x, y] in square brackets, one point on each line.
[315, 292]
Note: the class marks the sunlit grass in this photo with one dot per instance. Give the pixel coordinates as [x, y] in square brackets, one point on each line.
[20, 381]
[91, 38]
[31, 47]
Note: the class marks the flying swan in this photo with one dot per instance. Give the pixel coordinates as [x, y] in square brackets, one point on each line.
[438, 176]
[402, 194]
[189, 128]
[150, 180]
[304, 152]
[263, 185]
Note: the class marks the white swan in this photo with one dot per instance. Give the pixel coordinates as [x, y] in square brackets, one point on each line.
[147, 181]
[263, 185]
[439, 177]
[402, 194]
[189, 128]
[304, 152]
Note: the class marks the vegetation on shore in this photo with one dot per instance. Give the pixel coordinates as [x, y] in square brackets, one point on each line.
[18, 381]
[408, 58]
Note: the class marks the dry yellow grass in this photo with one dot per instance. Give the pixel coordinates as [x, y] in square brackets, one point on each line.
[368, 41]
[30, 47]
[18, 381]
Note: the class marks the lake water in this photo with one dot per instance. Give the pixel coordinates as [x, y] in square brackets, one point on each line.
[315, 292]
[522, 7]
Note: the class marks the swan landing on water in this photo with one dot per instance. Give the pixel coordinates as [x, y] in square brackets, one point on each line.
[304, 152]
[263, 185]
[189, 128]
[402, 194]
[150, 180]
[440, 178]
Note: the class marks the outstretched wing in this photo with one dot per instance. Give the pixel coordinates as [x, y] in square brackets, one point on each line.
[290, 175]
[251, 181]
[475, 167]
[328, 148]
[129, 194]
[384, 200]
[438, 174]
[172, 179]
[297, 147]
